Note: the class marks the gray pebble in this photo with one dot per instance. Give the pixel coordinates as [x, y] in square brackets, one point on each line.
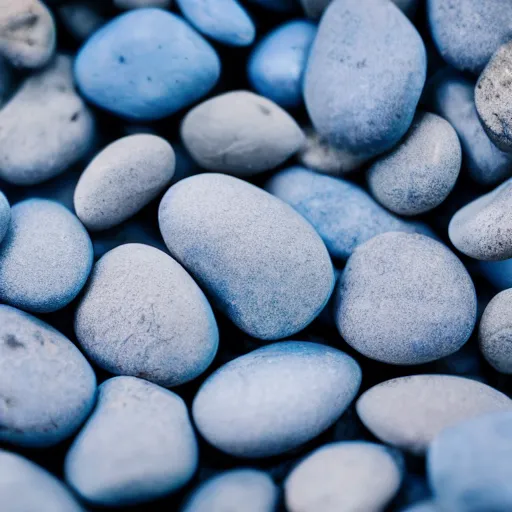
[240, 133]
[5, 215]
[123, 178]
[483, 228]
[81, 18]
[405, 299]
[46, 109]
[409, 412]
[418, 174]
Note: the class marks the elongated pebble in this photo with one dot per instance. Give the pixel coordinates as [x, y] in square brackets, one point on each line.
[24, 486]
[137, 446]
[409, 412]
[405, 299]
[238, 489]
[348, 476]
[263, 403]
[240, 133]
[123, 178]
[5, 215]
[45, 257]
[261, 263]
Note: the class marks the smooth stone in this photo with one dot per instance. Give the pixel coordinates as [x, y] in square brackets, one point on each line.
[142, 314]
[493, 96]
[470, 465]
[277, 63]
[343, 214]
[27, 33]
[369, 50]
[81, 18]
[249, 490]
[498, 273]
[483, 228]
[468, 32]
[135, 4]
[240, 133]
[263, 403]
[495, 332]
[418, 174]
[146, 64]
[261, 263]
[122, 179]
[47, 387]
[137, 446]
[346, 476]
[45, 257]
[5, 215]
[277, 5]
[409, 412]
[26, 487]
[225, 21]
[453, 99]
[405, 299]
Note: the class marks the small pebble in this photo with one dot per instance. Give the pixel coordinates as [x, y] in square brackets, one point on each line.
[130, 66]
[275, 398]
[405, 299]
[483, 228]
[277, 63]
[261, 263]
[46, 109]
[418, 174]
[5, 215]
[249, 490]
[346, 476]
[137, 446]
[240, 133]
[45, 257]
[122, 179]
[81, 18]
[135, 4]
[26, 487]
[47, 388]
[372, 53]
[143, 315]
[409, 412]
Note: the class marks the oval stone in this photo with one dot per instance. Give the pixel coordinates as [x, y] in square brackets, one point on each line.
[263, 404]
[138, 445]
[262, 264]
[5, 215]
[369, 50]
[409, 412]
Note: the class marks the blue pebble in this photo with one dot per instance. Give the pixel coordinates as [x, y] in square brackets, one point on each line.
[137, 446]
[225, 21]
[364, 76]
[343, 214]
[45, 257]
[498, 273]
[470, 465]
[275, 398]
[26, 487]
[5, 215]
[47, 387]
[146, 64]
[276, 65]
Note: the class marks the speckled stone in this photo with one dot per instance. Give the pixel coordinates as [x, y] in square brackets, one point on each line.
[262, 264]
[45, 257]
[495, 333]
[343, 214]
[47, 388]
[275, 398]
[468, 32]
[418, 174]
[135, 4]
[5, 215]
[409, 412]
[141, 314]
[122, 179]
[483, 228]
[369, 50]
[405, 299]
[470, 465]
[249, 490]
[26, 487]
[138, 445]
[81, 18]
[46, 109]
[346, 476]
[240, 133]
